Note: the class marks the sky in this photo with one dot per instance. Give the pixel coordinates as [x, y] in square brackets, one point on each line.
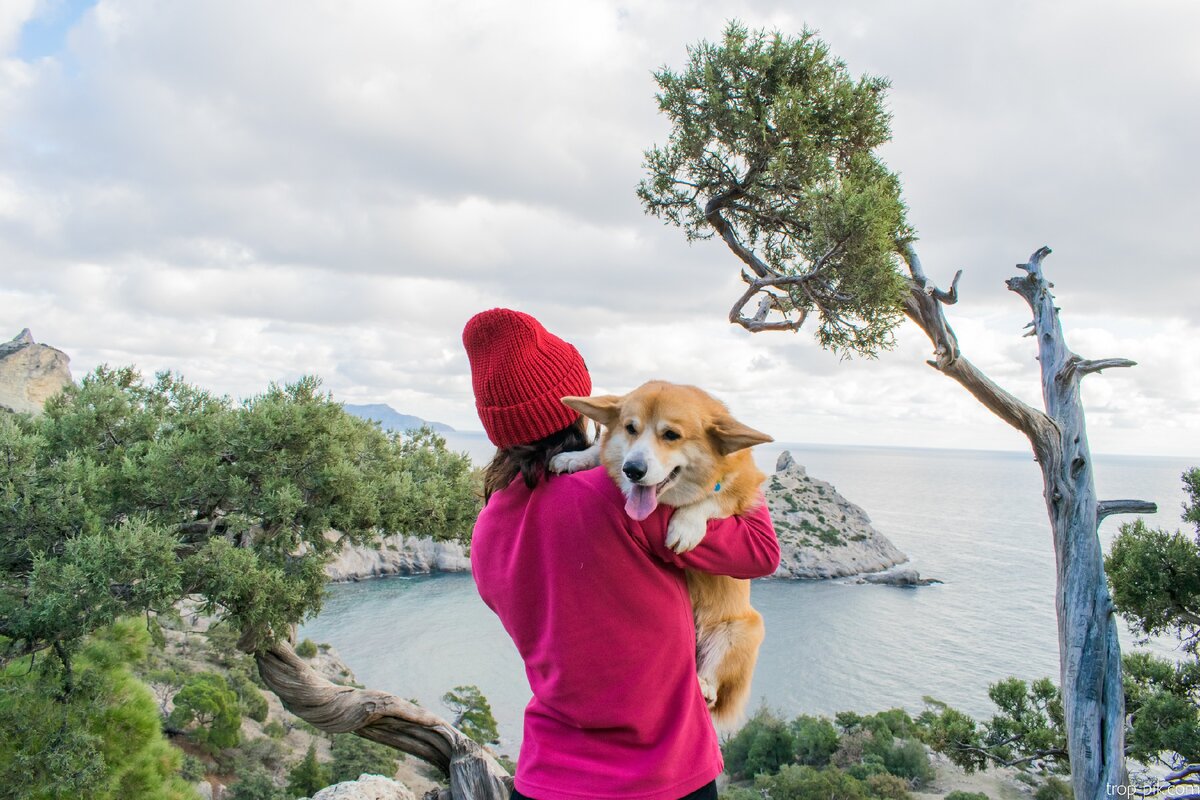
[247, 192]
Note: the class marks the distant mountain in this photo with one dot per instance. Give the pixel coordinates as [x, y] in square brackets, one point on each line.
[391, 419]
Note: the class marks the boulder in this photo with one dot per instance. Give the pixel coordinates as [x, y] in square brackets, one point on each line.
[31, 373]
[367, 787]
[900, 576]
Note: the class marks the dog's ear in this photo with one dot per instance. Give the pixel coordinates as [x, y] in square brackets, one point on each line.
[731, 435]
[604, 408]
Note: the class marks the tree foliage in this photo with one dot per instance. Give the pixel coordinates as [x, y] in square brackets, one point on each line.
[472, 713]
[125, 496]
[772, 147]
[105, 742]
[354, 756]
[207, 701]
[1155, 578]
[308, 776]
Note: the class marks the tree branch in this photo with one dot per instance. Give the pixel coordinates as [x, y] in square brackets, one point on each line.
[1107, 508]
[381, 717]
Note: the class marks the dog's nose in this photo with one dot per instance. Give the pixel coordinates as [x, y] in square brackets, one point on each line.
[634, 470]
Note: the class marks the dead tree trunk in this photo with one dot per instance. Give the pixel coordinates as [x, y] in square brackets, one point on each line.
[381, 717]
[1089, 653]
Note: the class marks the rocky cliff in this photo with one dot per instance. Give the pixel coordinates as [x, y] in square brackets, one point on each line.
[398, 555]
[821, 533]
[30, 373]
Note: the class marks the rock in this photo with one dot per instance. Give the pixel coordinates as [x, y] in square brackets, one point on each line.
[822, 534]
[31, 373]
[204, 789]
[367, 787]
[397, 555]
[901, 576]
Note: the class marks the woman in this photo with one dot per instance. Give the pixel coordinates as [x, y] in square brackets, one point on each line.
[595, 602]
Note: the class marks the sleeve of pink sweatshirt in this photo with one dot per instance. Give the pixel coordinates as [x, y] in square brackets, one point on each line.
[743, 546]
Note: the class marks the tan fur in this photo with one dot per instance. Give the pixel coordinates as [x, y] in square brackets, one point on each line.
[711, 447]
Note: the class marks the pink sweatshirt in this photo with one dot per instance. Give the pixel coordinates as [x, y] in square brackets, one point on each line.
[598, 608]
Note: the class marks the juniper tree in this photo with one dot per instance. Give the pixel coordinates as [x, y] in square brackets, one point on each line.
[772, 149]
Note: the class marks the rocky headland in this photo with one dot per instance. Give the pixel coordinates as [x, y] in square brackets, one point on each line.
[822, 534]
[31, 373]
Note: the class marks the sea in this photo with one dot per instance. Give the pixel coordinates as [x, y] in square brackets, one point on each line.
[975, 520]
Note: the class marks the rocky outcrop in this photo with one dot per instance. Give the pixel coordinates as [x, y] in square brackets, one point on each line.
[899, 576]
[397, 555]
[367, 787]
[822, 534]
[31, 373]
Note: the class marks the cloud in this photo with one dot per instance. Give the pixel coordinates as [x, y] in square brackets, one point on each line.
[251, 192]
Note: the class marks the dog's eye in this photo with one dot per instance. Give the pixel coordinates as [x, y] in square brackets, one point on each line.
[631, 429]
[670, 435]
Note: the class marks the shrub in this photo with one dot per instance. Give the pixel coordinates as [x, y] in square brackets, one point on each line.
[888, 787]
[309, 776]
[354, 755]
[907, 758]
[207, 700]
[763, 745]
[192, 769]
[306, 649]
[275, 729]
[255, 784]
[961, 795]
[795, 782]
[1055, 789]
[816, 740]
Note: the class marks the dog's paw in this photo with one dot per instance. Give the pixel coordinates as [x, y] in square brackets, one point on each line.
[576, 461]
[709, 691]
[685, 530]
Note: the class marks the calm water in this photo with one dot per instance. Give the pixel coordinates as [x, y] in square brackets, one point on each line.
[975, 520]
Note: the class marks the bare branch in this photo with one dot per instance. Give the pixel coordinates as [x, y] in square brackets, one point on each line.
[381, 717]
[1107, 508]
[1085, 366]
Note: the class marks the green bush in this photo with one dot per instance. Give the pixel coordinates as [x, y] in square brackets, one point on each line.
[275, 729]
[207, 700]
[306, 649]
[888, 787]
[1055, 789]
[816, 740]
[795, 782]
[309, 776]
[762, 746]
[907, 758]
[255, 784]
[354, 755]
[192, 769]
[102, 740]
[961, 795]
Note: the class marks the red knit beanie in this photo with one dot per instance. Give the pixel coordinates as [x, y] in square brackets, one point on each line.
[520, 371]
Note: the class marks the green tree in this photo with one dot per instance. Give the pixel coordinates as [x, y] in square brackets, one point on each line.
[125, 496]
[105, 743]
[256, 784]
[472, 713]
[354, 756]
[207, 700]
[795, 782]
[762, 746]
[771, 148]
[1155, 579]
[816, 740]
[309, 776]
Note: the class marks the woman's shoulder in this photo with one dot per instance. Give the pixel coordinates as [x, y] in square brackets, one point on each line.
[591, 484]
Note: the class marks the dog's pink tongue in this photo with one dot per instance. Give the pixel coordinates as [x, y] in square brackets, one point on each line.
[641, 502]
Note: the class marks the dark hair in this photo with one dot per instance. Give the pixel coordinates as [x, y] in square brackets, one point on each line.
[532, 461]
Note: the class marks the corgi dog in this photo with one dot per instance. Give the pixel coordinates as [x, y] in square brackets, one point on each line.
[678, 445]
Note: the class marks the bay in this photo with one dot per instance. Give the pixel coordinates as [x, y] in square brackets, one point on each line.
[973, 519]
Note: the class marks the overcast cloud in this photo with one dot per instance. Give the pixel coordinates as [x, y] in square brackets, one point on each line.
[248, 192]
